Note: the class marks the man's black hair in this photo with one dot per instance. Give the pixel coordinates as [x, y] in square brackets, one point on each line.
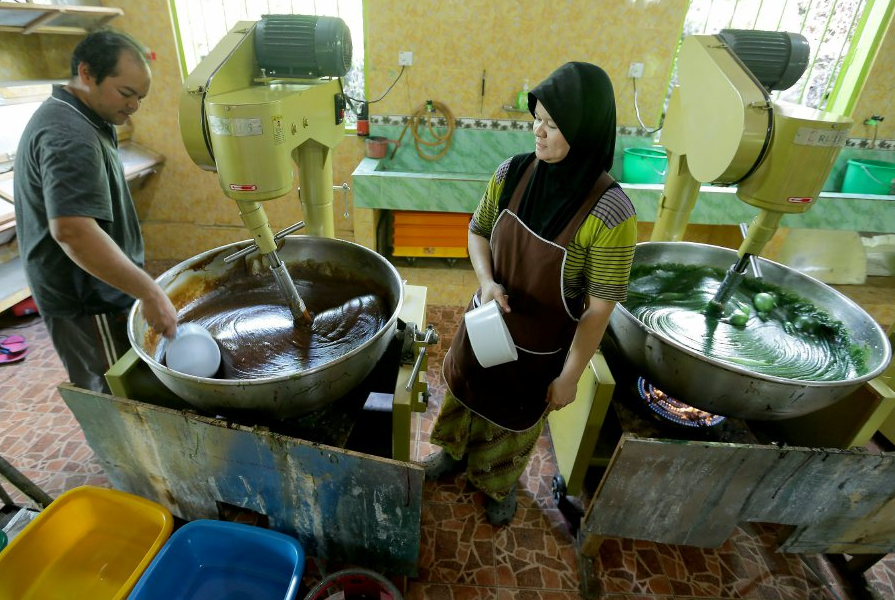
[101, 50]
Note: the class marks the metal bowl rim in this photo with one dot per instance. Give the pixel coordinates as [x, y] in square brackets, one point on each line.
[138, 348]
[743, 371]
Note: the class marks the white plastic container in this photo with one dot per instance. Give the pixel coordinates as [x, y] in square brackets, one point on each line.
[193, 351]
[491, 341]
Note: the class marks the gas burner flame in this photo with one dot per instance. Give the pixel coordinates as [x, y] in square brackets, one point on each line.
[674, 410]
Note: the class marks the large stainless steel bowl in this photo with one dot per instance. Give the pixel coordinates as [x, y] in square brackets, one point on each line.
[290, 394]
[730, 390]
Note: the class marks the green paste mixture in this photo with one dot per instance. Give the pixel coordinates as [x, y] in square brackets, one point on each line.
[764, 328]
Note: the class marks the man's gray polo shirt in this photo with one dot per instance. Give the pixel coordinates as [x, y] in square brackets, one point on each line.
[67, 164]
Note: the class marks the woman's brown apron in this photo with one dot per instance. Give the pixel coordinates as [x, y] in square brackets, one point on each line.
[542, 322]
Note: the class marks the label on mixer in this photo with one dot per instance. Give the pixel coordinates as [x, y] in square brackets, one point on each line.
[800, 199]
[808, 136]
[219, 126]
[234, 127]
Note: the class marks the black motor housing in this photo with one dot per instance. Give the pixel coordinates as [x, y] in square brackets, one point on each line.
[776, 58]
[303, 46]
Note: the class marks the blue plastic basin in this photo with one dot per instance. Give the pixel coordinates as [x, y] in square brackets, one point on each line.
[219, 560]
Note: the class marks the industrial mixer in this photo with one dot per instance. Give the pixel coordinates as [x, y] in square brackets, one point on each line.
[317, 449]
[664, 480]
[723, 128]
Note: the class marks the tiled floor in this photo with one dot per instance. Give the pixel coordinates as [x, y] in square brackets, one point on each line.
[462, 556]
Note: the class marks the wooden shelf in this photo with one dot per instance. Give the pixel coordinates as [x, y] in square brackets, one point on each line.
[29, 18]
[27, 91]
[138, 161]
[13, 285]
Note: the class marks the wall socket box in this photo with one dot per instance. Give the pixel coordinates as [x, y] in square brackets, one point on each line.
[405, 59]
[635, 70]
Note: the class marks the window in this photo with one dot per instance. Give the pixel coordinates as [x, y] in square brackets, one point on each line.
[830, 27]
[202, 23]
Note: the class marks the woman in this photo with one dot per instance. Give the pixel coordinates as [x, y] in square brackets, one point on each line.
[551, 242]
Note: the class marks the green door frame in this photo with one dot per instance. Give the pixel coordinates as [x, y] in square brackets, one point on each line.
[872, 28]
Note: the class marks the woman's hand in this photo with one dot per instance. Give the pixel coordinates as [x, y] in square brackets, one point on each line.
[480, 257]
[495, 291]
[587, 338]
[561, 392]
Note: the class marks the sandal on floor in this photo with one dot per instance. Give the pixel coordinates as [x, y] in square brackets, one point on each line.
[501, 513]
[12, 344]
[440, 463]
[11, 357]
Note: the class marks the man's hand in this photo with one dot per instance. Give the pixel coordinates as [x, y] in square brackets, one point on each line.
[160, 313]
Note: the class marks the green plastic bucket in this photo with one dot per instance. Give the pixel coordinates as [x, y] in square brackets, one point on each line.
[644, 165]
[863, 176]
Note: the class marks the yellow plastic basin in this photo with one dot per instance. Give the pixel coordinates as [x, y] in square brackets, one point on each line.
[89, 544]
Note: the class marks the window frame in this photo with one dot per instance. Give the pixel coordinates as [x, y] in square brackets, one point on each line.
[849, 84]
[844, 89]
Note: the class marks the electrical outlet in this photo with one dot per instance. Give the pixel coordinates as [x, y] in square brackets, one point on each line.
[635, 70]
[405, 59]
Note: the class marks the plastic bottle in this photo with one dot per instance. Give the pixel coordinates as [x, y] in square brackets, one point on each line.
[522, 98]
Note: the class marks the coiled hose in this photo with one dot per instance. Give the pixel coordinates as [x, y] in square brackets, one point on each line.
[427, 116]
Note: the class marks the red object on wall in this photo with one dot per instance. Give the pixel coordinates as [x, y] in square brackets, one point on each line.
[363, 120]
[25, 307]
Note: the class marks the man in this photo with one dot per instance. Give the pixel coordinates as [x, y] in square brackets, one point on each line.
[79, 235]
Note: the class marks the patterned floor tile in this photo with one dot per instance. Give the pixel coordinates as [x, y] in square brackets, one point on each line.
[452, 489]
[882, 578]
[456, 545]
[536, 551]
[692, 571]
[528, 594]
[440, 591]
[637, 597]
[630, 567]
[39, 435]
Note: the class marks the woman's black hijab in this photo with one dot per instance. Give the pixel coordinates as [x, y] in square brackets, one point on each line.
[581, 101]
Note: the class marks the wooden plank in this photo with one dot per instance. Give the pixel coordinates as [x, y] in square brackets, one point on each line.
[872, 534]
[589, 586]
[695, 493]
[805, 486]
[675, 492]
[840, 501]
[341, 505]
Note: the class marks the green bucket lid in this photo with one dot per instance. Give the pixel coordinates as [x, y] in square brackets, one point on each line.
[646, 152]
